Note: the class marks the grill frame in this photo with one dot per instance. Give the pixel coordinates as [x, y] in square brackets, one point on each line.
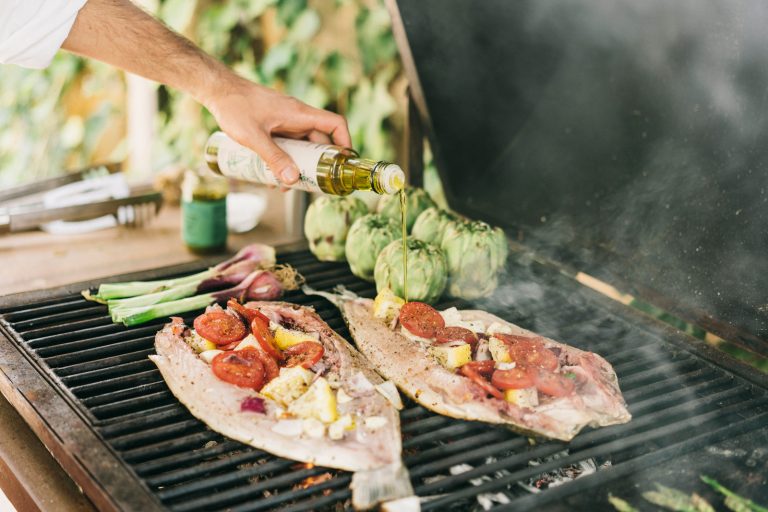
[70, 431]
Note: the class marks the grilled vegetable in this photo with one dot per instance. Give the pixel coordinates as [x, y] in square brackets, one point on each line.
[387, 305]
[319, 402]
[431, 223]
[259, 285]
[452, 357]
[417, 200]
[226, 273]
[327, 223]
[475, 253]
[427, 273]
[732, 500]
[367, 237]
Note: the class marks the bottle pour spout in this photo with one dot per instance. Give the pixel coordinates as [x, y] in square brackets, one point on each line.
[390, 179]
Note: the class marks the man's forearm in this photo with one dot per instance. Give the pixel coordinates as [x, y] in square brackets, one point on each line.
[121, 34]
[118, 32]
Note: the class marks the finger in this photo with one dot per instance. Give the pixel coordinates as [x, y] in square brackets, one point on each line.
[279, 162]
[332, 124]
[319, 137]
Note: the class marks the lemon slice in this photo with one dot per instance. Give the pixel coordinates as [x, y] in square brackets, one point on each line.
[285, 338]
[318, 402]
[289, 385]
[387, 305]
[199, 344]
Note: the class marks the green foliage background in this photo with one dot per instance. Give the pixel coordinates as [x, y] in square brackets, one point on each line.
[334, 54]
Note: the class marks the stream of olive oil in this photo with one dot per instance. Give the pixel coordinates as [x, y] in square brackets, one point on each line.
[403, 224]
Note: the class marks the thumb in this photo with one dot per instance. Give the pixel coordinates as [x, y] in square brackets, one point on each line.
[279, 162]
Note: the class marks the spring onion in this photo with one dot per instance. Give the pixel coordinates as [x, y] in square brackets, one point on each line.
[259, 285]
[262, 254]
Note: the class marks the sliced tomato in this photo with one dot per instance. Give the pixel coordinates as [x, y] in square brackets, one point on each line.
[271, 370]
[242, 368]
[531, 352]
[448, 334]
[471, 372]
[260, 330]
[484, 368]
[220, 328]
[554, 384]
[514, 378]
[421, 319]
[248, 313]
[229, 346]
[304, 354]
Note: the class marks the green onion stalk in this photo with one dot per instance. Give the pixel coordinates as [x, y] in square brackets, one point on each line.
[258, 285]
[231, 271]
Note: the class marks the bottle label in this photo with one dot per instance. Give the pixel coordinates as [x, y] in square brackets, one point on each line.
[204, 223]
[239, 162]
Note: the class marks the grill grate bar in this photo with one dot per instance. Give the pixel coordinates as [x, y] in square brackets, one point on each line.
[107, 388]
[113, 349]
[335, 497]
[203, 469]
[103, 364]
[42, 308]
[273, 465]
[176, 445]
[121, 408]
[51, 346]
[144, 420]
[35, 322]
[686, 427]
[434, 436]
[270, 502]
[644, 461]
[170, 462]
[115, 398]
[593, 437]
[159, 432]
[104, 374]
[58, 332]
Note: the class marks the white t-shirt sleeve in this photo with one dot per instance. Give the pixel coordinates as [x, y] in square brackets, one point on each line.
[32, 31]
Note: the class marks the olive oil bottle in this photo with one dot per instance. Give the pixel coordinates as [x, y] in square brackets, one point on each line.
[323, 168]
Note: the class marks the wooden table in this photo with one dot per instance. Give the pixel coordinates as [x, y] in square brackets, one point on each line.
[35, 260]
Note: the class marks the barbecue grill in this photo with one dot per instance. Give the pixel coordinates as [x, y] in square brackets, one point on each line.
[89, 392]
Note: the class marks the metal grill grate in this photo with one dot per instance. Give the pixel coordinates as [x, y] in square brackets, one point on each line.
[679, 402]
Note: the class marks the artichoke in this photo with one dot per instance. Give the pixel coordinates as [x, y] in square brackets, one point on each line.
[431, 223]
[417, 200]
[366, 239]
[327, 222]
[475, 254]
[427, 274]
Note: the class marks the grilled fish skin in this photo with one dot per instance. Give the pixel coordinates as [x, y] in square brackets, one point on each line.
[597, 400]
[217, 403]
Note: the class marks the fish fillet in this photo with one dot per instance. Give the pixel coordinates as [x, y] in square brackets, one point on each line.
[596, 402]
[369, 451]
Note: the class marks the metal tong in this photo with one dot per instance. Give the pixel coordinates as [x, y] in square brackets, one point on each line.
[138, 207]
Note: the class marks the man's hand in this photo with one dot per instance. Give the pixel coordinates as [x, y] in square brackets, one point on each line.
[250, 114]
[119, 33]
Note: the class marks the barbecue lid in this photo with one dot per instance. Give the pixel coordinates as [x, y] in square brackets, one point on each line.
[625, 139]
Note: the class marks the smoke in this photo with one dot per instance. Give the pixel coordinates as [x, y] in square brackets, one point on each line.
[645, 155]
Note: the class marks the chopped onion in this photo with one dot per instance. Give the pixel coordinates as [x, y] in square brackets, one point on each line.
[253, 404]
[292, 428]
[483, 352]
